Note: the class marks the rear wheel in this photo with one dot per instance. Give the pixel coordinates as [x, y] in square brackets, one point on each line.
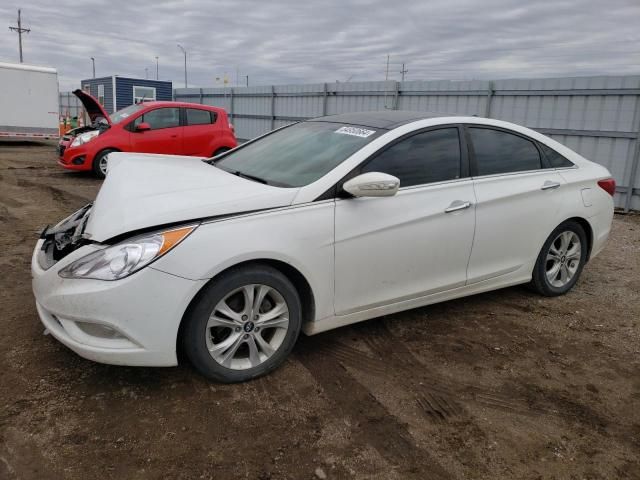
[561, 260]
[100, 162]
[243, 325]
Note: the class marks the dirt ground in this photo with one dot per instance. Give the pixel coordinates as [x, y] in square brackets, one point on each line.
[503, 385]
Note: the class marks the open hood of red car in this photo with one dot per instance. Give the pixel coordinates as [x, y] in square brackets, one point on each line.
[92, 106]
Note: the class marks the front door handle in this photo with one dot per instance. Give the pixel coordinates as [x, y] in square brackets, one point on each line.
[457, 205]
[549, 185]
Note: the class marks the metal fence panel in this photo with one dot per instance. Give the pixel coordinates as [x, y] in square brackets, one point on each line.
[599, 117]
[70, 104]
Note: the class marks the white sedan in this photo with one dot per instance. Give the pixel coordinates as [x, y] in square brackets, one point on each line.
[313, 226]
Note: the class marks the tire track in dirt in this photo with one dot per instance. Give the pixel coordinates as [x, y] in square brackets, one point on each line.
[376, 426]
[58, 194]
[432, 400]
[436, 403]
[440, 398]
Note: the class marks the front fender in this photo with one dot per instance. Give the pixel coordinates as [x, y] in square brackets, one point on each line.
[301, 236]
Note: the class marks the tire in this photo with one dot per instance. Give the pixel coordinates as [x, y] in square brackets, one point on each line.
[561, 260]
[220, 151]
[232, 333]
[99, 161]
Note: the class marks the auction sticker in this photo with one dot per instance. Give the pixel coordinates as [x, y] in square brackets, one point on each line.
[356, 132]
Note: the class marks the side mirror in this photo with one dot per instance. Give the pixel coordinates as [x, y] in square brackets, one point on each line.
[372, 184]
[143, 127]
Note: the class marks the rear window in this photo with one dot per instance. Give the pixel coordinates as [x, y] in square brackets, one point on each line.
[196, 116]
[554, 158]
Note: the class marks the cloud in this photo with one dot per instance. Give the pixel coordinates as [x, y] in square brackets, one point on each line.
[291, 41]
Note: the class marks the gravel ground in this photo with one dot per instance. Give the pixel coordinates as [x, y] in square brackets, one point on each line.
[501, 385]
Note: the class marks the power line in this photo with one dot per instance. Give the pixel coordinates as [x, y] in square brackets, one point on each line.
[19, 30]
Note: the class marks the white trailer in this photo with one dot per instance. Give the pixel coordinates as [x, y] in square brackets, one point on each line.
[28, 101]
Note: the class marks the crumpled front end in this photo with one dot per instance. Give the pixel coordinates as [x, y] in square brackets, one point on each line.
[132, 321]
[62, 239]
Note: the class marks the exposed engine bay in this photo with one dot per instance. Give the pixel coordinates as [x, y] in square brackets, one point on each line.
[63, 238]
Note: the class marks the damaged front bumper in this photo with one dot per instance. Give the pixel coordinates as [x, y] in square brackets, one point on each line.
[132, 321]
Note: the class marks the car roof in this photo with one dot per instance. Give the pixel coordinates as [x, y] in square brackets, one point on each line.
[163, 103]
[385, 119]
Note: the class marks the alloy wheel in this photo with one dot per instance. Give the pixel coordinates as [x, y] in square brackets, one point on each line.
[247, 326]
[563, 259]
[103, 164]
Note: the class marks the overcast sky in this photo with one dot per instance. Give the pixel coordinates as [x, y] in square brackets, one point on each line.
[295, 41]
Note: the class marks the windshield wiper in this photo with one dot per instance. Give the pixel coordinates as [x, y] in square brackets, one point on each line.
[238, 173]
[248, 177]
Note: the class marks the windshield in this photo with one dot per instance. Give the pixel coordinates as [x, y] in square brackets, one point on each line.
[125, 113]
[297, 155]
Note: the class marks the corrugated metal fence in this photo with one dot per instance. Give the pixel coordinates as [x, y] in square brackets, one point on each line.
[599, 117]
[69, 103]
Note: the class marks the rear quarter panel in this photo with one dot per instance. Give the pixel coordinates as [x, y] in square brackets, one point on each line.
[587, 200]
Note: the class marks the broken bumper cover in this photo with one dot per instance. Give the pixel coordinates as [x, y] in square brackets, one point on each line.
[133, 321]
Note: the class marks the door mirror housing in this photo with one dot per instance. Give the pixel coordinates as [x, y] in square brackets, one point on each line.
[143, 127]
[372, 184]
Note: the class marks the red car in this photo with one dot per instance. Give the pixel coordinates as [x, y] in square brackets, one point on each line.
[173, 128]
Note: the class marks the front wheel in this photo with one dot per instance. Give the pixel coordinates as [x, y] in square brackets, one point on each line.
[100, 163]
[243, 324]
[561, 260]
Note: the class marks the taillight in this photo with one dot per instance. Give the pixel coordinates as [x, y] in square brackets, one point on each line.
[608, 185]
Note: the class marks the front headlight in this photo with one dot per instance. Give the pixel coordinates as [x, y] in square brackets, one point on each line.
[84, 138]
[123, 259]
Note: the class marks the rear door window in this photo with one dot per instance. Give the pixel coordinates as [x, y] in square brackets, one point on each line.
[427, 157]
[196, 116]
[497, 151]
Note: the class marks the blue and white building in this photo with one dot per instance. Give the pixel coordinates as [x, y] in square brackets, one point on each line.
[115, 92]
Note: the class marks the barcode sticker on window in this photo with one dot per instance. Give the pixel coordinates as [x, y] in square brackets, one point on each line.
[356, 132]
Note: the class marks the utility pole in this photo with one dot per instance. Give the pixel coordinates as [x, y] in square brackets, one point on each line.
[403, 71]
[20, 31]
[146, 73]
[157, 70]
[93, 67]
[386, 75]
[247, 78]
[185, 64]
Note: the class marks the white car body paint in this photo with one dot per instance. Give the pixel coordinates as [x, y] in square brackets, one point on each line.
[362, 257]
[167, 188]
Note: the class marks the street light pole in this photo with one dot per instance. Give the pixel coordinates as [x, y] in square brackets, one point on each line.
[185, 64]
[157, 77]
[93, 67]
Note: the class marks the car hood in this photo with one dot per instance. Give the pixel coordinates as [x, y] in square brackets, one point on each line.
[143, 191]
[92, 106]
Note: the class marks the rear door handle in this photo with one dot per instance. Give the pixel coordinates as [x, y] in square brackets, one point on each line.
[549, 185]
[457, 205]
